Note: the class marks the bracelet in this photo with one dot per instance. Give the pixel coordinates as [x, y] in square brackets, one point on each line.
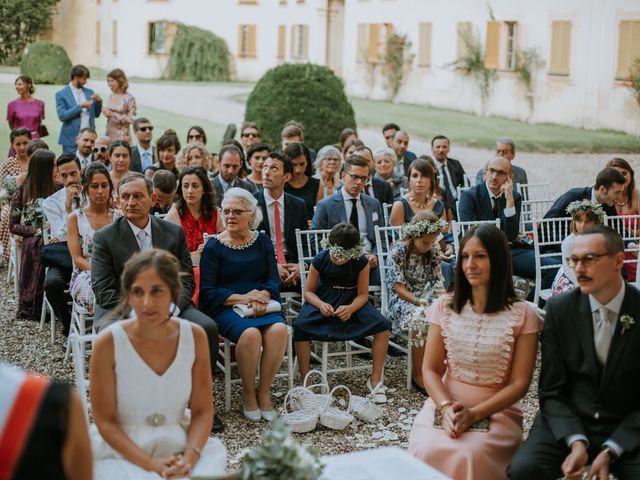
[415, 300]
[196, 450]
[444, 403]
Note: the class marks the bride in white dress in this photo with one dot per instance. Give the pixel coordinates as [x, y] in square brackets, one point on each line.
[144, 373]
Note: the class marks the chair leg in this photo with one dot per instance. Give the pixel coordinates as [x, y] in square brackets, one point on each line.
[43, 312]
[227, 375]
[290, 357]
[409, 362]
[325, 362]
[53, 322]
[348, 358]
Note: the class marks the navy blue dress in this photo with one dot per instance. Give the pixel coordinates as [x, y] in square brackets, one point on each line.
[438, 209]
[337, 285]
[225, 270]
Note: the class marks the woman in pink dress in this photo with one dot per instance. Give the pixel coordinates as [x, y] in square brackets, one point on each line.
[25, 111]
[471, 425]
[121, 109]
[627, 204]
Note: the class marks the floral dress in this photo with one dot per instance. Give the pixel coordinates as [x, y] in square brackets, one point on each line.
[10, 168]
[420, 277]
[123, 110]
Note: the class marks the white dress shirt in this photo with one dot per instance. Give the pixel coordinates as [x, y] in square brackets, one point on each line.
[269, 201]
[362, 217]
[80, 97]
[55, 211]
[508, 211]
[147, 230]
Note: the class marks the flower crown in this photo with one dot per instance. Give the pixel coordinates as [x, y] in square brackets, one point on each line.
[342, 253]
[595, 208]
[423, 227]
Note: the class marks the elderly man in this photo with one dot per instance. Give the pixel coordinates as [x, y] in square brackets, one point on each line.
[505, 147]
[589, 391]
[101, 150]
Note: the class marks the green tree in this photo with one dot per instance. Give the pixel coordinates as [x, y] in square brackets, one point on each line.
[21, 21]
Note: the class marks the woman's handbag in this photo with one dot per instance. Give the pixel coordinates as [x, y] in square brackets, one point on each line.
[56, 255]
[43, 131]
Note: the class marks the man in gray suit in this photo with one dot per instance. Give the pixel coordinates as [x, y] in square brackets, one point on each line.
[349, 205]
[231, 160]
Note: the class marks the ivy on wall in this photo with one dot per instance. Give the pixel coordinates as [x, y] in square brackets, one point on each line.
[198, 55]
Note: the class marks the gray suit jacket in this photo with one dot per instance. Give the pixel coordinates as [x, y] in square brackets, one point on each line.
[238, 182]
[115, 244]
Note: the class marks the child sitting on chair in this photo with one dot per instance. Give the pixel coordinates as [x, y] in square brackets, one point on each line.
[584, 214]
[337, 306]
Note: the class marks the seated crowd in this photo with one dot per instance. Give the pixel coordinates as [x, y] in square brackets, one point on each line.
[168, 248]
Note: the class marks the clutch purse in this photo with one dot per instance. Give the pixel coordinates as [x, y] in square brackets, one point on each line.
[43, 131]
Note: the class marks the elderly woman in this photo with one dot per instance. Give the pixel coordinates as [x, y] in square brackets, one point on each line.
[328, 161]
[385, 160]
[238, 266]
[194, 155]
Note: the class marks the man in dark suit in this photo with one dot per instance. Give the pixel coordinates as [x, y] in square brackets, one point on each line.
[609, 184]
[143, 155]
[495, 198]
[282, 213]
[450, 172]
[400, 145]
[231, 161]
[376, 188]
[589, 390]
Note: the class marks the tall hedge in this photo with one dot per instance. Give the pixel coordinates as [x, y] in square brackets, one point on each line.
[198, 55]
[307, 93]
[46, 62]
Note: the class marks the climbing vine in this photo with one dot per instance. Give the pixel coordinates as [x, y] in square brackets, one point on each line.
[396, 62]
[528, 62]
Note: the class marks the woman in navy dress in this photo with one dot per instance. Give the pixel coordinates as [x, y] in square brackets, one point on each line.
[238, 266]
[337, 307]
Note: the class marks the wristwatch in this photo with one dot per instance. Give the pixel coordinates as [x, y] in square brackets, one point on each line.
[613, 456]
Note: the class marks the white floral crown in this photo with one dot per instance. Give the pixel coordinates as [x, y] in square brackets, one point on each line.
[423, 227]
[595, 208]
[342, 253]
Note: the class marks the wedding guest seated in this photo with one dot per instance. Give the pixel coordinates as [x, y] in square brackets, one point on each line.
[196, 135]
[385, 161]
[120, 159]
[164, 188]
[49, 438]
[478, 363]
[336, 304]
[327, 165]
[27, 221]
[282, 214]
[194, 155]
[506, 148]
[609, 184]
[145, 372]
[584, 214]
[350, 147]
[413, 281]
[378, 189]
[101, 151]
[167, 148]
[231, 163]
[588, 391]
[83, 223]
[256, 155]
[57, 208]
[249, 135]
[238, 267]
[347, 134]
[302, 183]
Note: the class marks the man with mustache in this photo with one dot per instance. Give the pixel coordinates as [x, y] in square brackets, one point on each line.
[589, 390]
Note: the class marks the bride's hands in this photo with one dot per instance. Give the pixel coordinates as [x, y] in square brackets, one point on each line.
[179, 468]
[161, 465]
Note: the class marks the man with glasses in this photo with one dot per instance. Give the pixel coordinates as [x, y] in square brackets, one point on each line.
[85, 141]
[350, 205]
[495, 198]
[143, 155]
[589, 391]
[101, 150]
[505, 147]
[249, 134]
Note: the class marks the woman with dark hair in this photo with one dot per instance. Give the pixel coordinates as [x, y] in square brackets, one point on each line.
[167, 147]
[351, 146]
[25, 111]
[422, 195]
[121, 109]
[10, 170]
[303, 184]
[346, 135]
[27, 221]
[196, 135]
[120, 159]
[478, 363]
[82, 225]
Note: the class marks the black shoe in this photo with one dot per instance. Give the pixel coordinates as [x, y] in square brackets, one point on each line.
[418, 388]
[218, 426]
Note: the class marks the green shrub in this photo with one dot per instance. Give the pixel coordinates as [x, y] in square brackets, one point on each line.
[46, 62]
[198, 55]
[310, 94]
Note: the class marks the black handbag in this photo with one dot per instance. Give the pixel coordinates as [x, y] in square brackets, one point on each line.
[56, 255]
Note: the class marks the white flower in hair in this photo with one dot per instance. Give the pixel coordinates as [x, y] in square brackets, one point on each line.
[342, 253]
[595, 208]
[423, 227]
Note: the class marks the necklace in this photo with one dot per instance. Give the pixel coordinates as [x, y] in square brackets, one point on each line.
[419, 206]
[620, 204]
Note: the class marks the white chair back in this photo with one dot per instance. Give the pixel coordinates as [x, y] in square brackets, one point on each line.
[468, 181]
[628, 226]
[459, 229]
[548, 235]
[533, 209]
[385, 238]
[386, 212]
[308, 242]
[459, 191]
[533, 191]
[79, 351]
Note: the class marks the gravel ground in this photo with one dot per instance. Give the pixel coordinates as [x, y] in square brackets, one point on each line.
[23, 343]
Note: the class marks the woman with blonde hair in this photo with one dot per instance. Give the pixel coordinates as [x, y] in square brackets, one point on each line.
[121, 108]
[194, 155]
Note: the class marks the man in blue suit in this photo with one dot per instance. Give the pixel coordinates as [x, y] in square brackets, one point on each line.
[495, 198]
[349, 205]
[77, 107]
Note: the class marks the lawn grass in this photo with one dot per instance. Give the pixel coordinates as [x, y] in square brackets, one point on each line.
[161, 119]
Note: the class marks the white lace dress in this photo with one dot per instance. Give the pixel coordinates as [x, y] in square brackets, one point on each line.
[80, 284]
[152, 411]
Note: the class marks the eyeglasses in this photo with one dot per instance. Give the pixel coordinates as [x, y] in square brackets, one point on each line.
[588, 260]
[332, 160]
[498, 173]
[227, 212]
[361, 178]
[251, 134]
[146, 129]
[99, 149]
[194, 137]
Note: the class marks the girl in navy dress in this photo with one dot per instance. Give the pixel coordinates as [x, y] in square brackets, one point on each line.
[337, 306]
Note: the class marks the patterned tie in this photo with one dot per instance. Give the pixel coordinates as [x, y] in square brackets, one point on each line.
[603, 335]
[353, 219]
[278, 227]
[143, 240]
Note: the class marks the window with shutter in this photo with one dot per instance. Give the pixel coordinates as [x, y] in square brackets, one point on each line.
[628, 47]
[282, 34]
[492, 48]
[252, 41]
[424, 47]
[559, 63]
[511, 52]
[463, 29]
[361, 44]
[246, 41]
[299, 41]
[374, 43]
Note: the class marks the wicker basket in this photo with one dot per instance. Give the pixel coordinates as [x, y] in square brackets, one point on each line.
[316, 400]
[299, 421]
[334, 418]
[365, 409]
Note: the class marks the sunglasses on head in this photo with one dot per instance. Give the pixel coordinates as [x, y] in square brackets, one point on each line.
[99, 149]
[146, 129]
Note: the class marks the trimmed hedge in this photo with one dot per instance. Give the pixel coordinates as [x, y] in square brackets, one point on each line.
[307, 93]
[46, 62]
[198, 55]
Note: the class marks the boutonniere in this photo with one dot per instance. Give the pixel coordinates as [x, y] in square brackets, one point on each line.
[627, 322]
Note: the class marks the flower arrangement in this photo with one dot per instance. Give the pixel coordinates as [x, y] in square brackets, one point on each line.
[418, 322]
[33, 214]
[423, 227]
[342, 253]
[586, 205]
[8, 189]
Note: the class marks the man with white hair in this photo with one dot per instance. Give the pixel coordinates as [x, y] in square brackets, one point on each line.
[506, 148]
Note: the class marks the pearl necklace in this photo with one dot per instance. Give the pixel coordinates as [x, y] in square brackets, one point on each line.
[620, 204]
[243, 245]
[419, 206]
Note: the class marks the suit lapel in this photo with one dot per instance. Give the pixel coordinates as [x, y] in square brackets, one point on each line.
[584, 329]
[485, 203]
[130, 242]
[340, 206]
[265, 217]
[157, 233]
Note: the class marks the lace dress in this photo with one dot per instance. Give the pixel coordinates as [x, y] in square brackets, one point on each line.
[479, 352]
[123, 108]
[152, 411]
